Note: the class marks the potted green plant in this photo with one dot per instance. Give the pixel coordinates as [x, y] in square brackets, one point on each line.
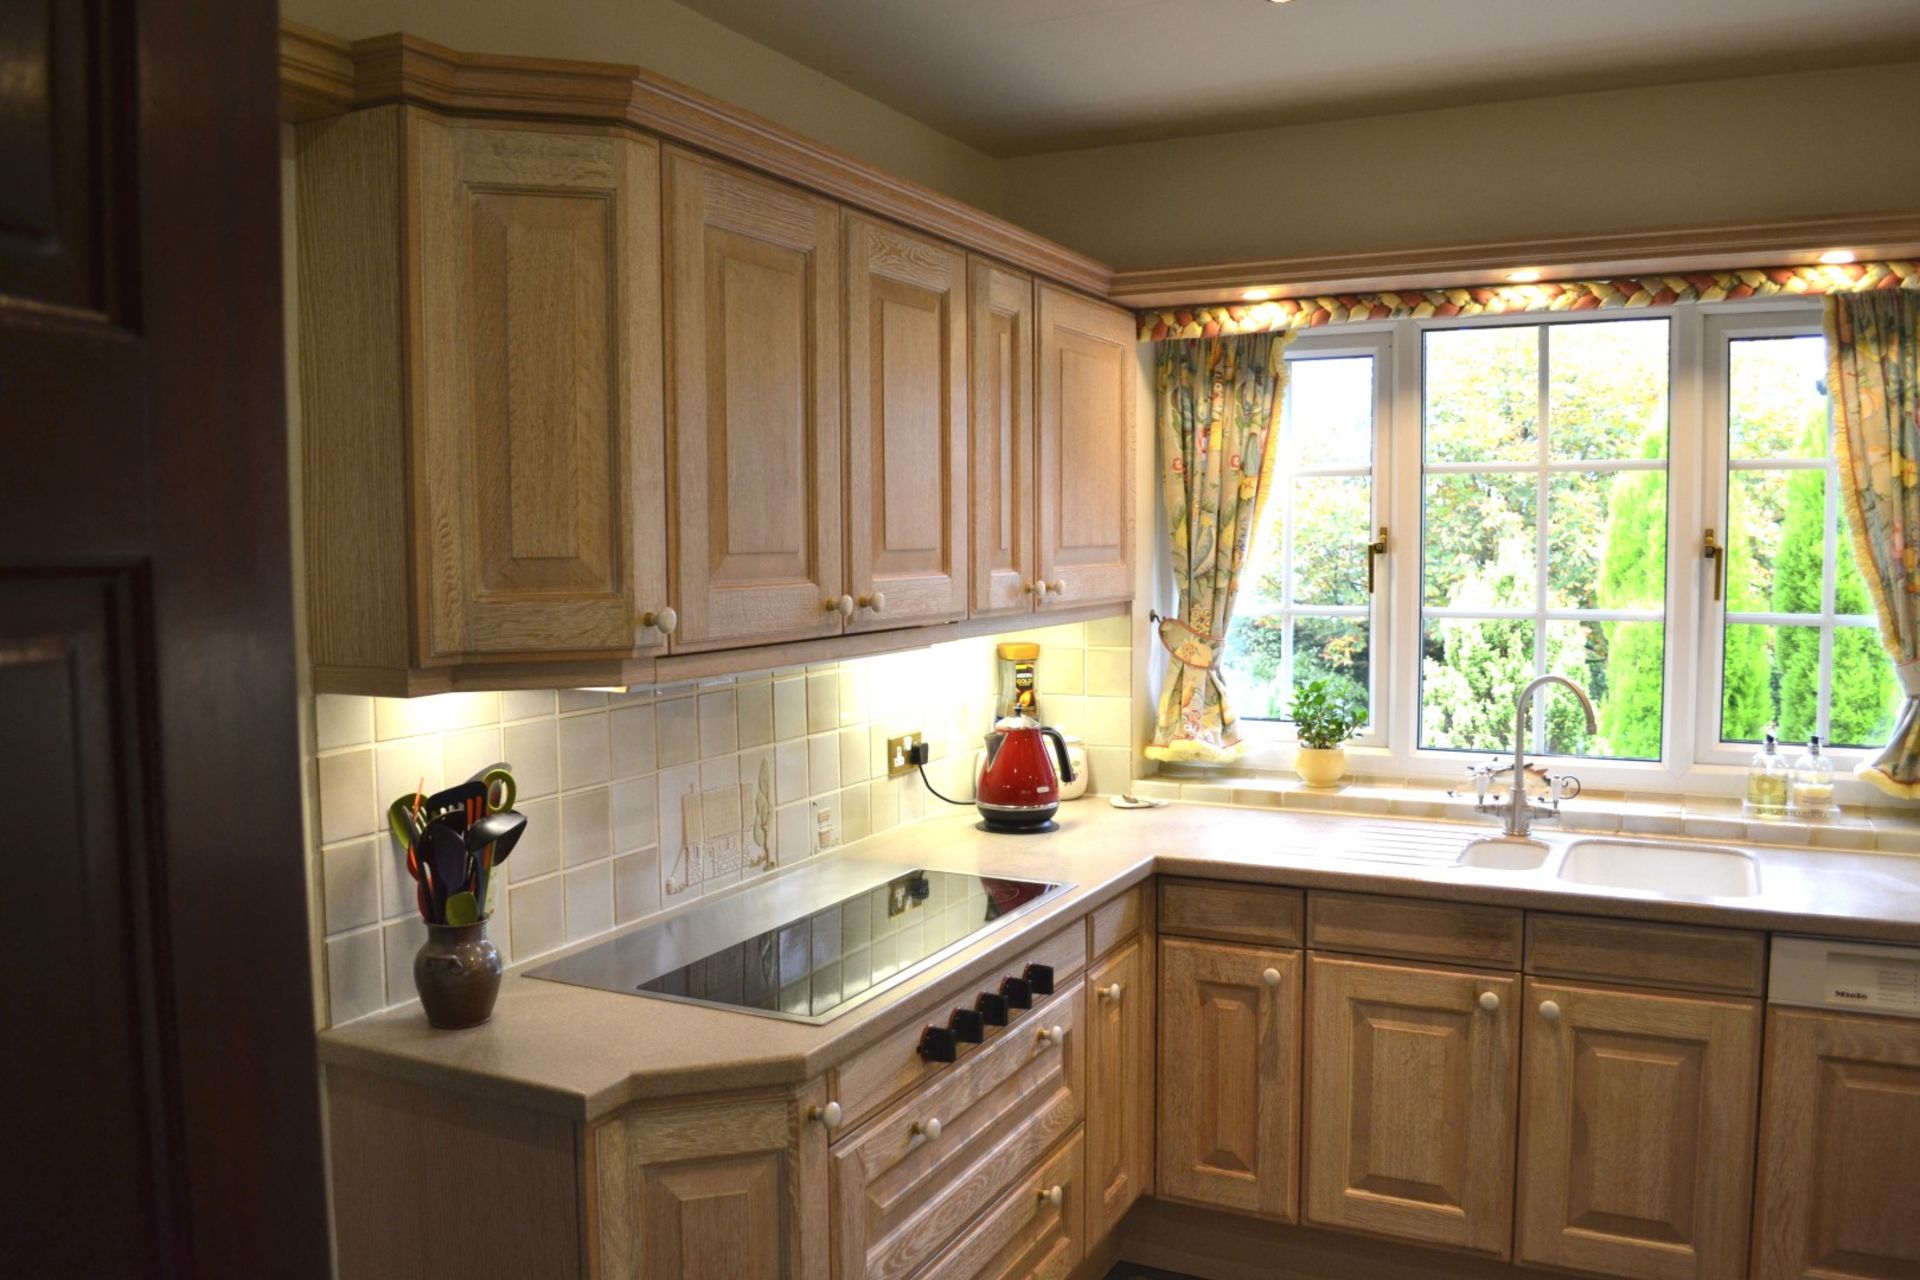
[1325, 713]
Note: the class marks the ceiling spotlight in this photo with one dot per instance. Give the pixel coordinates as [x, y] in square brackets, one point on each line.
[1837, 257]
[1260, 295]
[1526, 275]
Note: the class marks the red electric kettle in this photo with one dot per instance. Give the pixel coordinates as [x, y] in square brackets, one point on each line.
[1018, 789]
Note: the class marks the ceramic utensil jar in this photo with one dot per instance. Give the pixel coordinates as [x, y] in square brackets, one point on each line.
[457, 972]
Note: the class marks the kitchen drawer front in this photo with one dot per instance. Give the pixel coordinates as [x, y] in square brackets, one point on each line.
[1110, 925]
[1024, 1235]
[1647, 955]
[883, 1071]
[1414, 928]
[1262, 914]
[900, 1196]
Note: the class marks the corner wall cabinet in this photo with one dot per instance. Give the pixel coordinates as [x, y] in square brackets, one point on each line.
[480, 385]
[582, 408]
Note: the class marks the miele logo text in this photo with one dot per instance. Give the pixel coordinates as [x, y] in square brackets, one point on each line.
[1851, 995]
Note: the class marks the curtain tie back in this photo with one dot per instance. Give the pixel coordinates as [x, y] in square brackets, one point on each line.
[1910, 678]
[1199, 650]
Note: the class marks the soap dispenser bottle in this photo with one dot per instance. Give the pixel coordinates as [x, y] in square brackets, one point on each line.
[1812, 783]
[1767, 782]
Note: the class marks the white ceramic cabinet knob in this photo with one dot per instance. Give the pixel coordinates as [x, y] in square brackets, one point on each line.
[1489, 1001]
[876, 602]
[1271, 977]
[1054, 1195]
[1055, 1036]
[1550, 1011]
[664, 620]
[828, 1115]
[928, 1129]
[1112, 993]
[1058, 586]
[842, 605]
[1038, 588]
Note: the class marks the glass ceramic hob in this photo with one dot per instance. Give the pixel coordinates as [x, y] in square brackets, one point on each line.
[846, 934]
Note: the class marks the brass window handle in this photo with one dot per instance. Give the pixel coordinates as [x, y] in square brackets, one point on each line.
[1717, 553]
[1375, 549]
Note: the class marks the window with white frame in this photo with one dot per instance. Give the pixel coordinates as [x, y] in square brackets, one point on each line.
[1548, 481]
[1799, 646]
[1305, 609]
[1543, 533]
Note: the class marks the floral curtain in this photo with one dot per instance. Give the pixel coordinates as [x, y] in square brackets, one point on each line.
[1873, 381]
[1219, 419]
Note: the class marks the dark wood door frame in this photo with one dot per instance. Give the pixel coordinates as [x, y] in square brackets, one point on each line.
[159, 1084]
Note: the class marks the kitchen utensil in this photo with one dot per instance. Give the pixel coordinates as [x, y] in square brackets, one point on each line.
[401, 822]
[489, 841]
[467, 799]
[501, 789]
[1018, 789]
[445, 854]
[501, 830]
[462, 908]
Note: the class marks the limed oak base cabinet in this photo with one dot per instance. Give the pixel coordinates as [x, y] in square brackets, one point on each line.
[1231, 1080]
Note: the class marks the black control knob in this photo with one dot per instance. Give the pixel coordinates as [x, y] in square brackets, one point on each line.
[937, 1044]
[993, 1009]
[968, 1026]
[1040, 978]
[1017, 993]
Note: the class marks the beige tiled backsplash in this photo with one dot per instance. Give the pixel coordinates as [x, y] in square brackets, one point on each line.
[601, 778]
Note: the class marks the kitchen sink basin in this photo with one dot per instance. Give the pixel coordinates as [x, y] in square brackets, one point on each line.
[1504, 853]
[1683, 870]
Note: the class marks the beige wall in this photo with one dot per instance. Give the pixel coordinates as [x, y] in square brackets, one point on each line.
[674, 41]
[1767, 147]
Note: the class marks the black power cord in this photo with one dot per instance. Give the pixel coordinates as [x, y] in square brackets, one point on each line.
[917, 755]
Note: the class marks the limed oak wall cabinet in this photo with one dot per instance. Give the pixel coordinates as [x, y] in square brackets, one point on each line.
[582, 408]
[481, 391]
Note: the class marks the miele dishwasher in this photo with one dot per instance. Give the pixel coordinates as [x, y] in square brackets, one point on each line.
[1839, 1168]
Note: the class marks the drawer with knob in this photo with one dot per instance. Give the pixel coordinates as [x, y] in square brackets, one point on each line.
[1034, 1232]
[969, 1015]
[907, 1182]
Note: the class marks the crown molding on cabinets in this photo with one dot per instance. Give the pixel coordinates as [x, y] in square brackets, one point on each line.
[1725, 246]
[324, 75]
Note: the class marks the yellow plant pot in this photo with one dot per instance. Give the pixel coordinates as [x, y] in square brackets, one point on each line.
[1320, 766]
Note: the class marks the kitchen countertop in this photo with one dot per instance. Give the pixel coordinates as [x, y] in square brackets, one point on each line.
[582, 1052]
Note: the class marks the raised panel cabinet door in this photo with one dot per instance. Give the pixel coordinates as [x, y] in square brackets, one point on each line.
[1229, 1077]
[1119, 1086]
[540, 525]
[906, 427]
[1636, 1131]
[726, 1189]
[1839, 1149]
[753, 407]
[1087, 375]
[1411, 1090]
[1000, 359]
